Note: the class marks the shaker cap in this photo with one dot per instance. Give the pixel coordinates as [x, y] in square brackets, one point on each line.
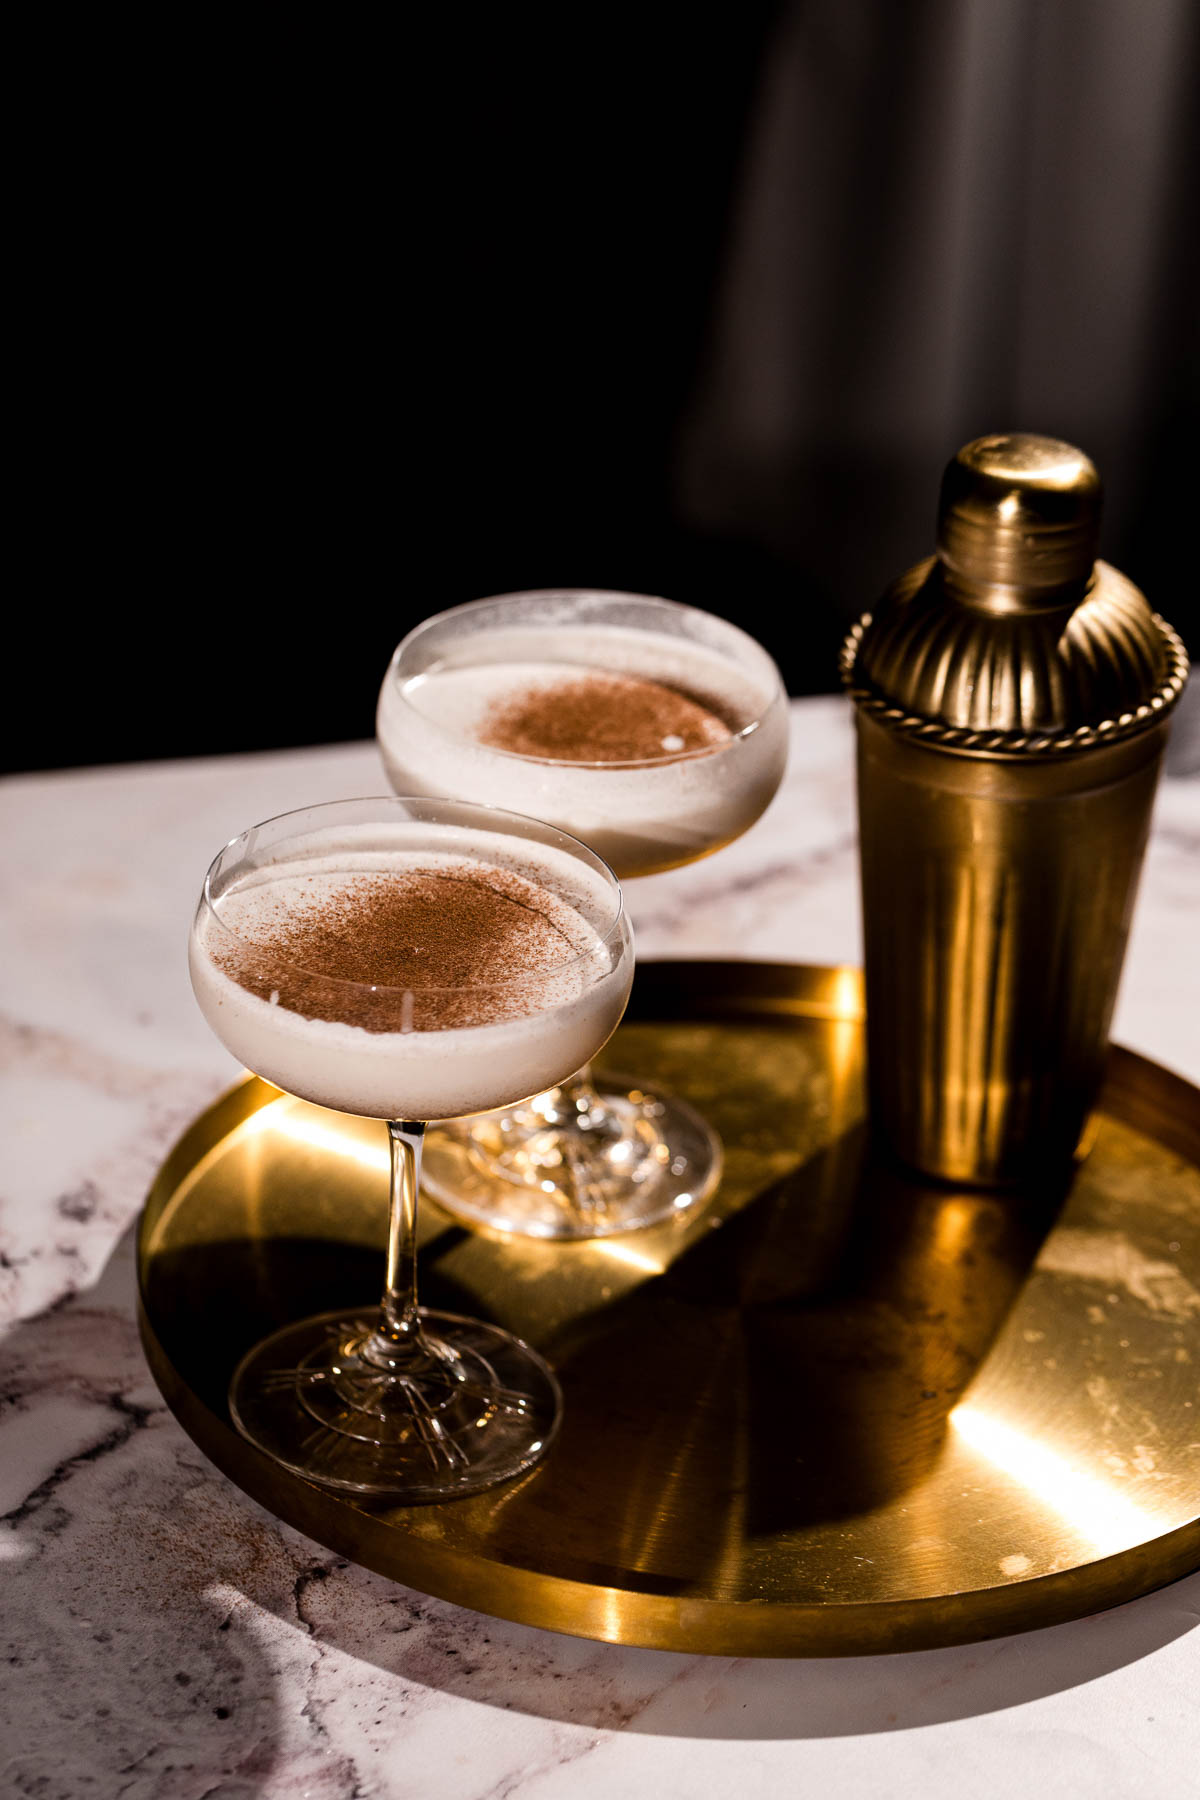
[1013, 639]
[1019, 522]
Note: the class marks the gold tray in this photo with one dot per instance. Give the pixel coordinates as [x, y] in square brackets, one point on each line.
[840, 1411]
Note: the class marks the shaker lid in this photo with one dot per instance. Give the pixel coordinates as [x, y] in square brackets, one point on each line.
[1013, 639]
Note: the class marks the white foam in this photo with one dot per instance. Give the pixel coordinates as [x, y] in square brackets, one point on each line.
[639, 816]
[415, 1073]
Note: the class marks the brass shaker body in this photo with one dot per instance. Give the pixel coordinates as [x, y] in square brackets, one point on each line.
[1002, 828]
[997, 900]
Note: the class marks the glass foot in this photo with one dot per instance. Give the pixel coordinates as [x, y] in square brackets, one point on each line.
[468, 1406]
[591, 1158]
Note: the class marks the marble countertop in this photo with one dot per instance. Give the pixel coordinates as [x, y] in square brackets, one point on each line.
[164, 1636]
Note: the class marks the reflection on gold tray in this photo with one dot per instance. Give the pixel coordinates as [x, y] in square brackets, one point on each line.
[840, 1411]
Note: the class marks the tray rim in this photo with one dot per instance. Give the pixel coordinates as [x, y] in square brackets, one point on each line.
[1141, 1092]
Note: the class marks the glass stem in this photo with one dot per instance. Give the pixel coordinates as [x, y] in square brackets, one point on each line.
[399, 1329]
[581, 1092]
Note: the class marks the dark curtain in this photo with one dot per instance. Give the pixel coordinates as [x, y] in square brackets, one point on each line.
[338, 325]
[954, 217]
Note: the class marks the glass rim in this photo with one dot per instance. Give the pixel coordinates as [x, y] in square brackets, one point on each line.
[567, 841]
[565, 762]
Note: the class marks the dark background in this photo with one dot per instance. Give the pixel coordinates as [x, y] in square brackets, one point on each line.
[331, 331]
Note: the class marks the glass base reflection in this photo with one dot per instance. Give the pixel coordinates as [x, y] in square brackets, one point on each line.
[468, 1405]
[596, 1156]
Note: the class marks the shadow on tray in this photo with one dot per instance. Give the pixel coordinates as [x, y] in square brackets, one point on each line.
[799, 1365]
[796, 1366]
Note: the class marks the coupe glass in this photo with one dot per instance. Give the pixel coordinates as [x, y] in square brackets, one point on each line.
[593, 1155]
[402, 1401]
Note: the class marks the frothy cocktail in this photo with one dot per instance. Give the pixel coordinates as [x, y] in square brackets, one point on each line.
[412, 973]
[654, 732]
[655, 740]
[409, 960]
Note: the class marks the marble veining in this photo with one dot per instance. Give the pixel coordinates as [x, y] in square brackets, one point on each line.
[164, 1636]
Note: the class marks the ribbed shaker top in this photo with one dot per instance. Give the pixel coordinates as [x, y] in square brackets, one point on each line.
[1013, 638]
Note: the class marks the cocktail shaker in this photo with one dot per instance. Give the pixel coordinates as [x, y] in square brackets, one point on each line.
[1013, 698]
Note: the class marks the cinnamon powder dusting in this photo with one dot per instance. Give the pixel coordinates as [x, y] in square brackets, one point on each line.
[602, 717]
[428, 948]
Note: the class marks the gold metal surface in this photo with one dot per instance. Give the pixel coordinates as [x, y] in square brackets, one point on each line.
[959, 680]
[1018, 522]
[1012, 706]
[997, 901]
[1010, 641]
[840, 1411]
